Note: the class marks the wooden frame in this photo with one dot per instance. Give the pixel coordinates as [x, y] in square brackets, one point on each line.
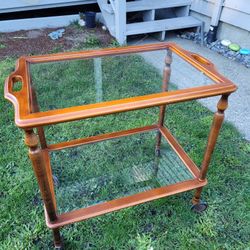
[28, 117]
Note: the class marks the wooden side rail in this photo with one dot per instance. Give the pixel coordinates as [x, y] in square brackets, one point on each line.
[196, 60]
[109, 136]
[99, 138]
[124, 202]
[118, 106]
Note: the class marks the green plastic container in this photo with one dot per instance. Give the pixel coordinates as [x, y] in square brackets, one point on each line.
[234, 47]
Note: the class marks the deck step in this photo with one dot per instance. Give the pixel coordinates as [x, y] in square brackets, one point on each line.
[141, 5]
[162, 25]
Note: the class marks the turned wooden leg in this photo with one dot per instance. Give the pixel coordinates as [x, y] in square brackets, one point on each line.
[214, 132]
[156, 166]
[44, 177]
[165, 82]
[35, 108]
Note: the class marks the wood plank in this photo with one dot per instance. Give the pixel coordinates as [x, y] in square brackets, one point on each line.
[120, 21]
[236, 18]
[123, 105]
[108, 15]
[156, 4]
[232, 13]
[161, 25]
[239, 5]
[17, 5]
[202, 7]
[124, 202]
[99, 138]
[86, 54]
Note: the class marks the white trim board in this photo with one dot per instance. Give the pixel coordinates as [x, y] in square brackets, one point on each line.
[24, 5]
[36, 23]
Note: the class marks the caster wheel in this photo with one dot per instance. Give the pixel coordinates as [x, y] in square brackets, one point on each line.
[157, 152]
[199, 207]
[59, 247]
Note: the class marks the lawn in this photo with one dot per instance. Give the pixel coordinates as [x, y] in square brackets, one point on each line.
[167, 223]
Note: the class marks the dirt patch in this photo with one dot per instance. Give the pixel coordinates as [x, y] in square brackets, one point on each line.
[34, 42]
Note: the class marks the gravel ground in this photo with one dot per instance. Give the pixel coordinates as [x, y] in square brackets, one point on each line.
[219, 48]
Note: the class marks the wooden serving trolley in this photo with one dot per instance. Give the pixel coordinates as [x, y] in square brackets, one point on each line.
[31, 120]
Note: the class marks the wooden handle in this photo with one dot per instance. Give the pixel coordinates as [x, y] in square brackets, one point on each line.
[202, 60]
[11, 80]
[192, 57]
[199, 62]
[10, 93]
[17, 96]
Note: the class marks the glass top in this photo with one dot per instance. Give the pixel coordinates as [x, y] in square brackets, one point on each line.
[92, 174]
[71, 83]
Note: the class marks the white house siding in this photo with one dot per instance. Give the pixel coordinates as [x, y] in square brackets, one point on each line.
[22, 5]
[37, 23]
[234, 12]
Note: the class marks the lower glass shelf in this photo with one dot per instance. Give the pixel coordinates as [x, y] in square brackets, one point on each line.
[122, 172]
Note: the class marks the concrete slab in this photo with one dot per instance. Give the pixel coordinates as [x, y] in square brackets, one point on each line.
[184, 76]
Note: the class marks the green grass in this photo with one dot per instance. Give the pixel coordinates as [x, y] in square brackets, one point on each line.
[163, 224]
[2, 46]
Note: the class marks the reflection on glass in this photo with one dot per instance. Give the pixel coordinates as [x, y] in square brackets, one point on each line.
[79, 82]
[92, 174]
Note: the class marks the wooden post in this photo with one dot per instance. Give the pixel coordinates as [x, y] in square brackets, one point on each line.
[120, 21]
[214, 132]
[165, 82]
[44, 179]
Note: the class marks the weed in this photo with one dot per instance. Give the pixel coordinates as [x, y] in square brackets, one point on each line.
[2, 46]
[91, 41]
